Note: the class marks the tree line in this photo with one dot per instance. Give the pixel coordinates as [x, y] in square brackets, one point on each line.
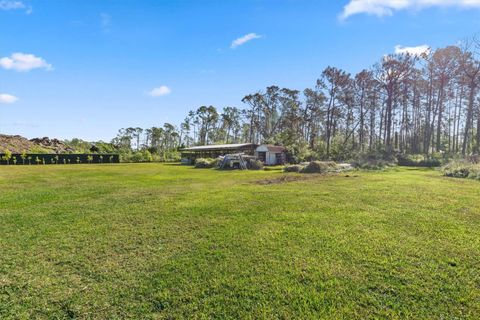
[412, 104]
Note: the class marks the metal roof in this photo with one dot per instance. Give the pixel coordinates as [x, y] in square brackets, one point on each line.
[275, 149]
[220, 146]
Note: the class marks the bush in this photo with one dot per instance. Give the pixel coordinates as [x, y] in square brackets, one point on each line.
[319, 167]
[374, 161]
[293, 168]
[254, 164]
[139, 156]
[170, 156]
[147, 156]
[205, 163]
[462, 169]
[418, 161]
[474, 158]
[474, 172]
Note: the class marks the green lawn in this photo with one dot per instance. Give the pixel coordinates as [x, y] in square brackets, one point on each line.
[167, 241]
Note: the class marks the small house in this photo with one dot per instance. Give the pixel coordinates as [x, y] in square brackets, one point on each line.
[271, 155]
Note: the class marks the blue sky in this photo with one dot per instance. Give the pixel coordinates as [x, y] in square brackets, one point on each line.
[85, 68]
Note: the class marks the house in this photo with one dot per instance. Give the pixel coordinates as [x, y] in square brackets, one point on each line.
[213, 151]
[271, 155]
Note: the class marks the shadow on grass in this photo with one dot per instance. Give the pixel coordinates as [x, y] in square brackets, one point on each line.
[175, 164]
[419, 168]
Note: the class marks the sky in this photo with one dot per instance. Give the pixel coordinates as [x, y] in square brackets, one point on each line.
[86, 68]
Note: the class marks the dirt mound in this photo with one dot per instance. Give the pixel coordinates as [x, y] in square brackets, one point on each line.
[52, 144]
[16, 144]
[19, 144]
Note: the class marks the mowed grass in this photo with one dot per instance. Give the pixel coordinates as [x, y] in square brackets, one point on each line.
[154, 241]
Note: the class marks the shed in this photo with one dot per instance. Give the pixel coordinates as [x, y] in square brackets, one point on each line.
[213, 151]
[271, 155]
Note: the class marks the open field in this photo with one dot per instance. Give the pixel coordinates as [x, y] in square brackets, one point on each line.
[166, 241]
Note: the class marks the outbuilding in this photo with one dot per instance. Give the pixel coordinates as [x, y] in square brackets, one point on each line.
[213, 151]
[271, 155]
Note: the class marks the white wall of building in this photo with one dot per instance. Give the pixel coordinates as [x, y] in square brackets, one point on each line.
[270, 159]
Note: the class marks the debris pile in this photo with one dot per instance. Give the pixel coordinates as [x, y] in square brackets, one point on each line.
[19, 144]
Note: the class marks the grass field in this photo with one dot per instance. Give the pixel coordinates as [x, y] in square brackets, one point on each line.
[166, 241]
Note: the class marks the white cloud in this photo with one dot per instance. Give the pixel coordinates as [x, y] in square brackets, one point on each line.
[388, 7]
[24, 62]
[11, 5]
[14, 5]
[160, 91]
[7, 98]
[242, 40]
[414, 51]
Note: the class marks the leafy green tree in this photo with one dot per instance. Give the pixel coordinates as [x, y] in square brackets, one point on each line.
[23, 156]
[7, 156]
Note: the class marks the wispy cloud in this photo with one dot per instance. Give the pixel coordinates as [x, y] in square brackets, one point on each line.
[24, 62]
[160, 91]
[207, 71]
[28, 124]
[7, 5]
[388, 7]
[414, 51]
[105, 21]
[7, 98]
[242, 40]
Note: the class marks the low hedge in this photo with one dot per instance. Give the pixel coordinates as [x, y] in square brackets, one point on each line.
[51, 158]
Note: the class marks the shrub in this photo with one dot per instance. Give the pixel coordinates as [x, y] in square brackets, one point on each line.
[254, 164]
[418, 161]
[474, 172]
[474, 158]
[147, 156]
[205, 163]
[298, 151]
[462, 169]
[139, 156]
[430, 163]
[374, 161]
[171, 156]
[319, 167]
[293, 168]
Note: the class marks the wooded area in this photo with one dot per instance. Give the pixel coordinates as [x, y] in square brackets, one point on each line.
[412, 104]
